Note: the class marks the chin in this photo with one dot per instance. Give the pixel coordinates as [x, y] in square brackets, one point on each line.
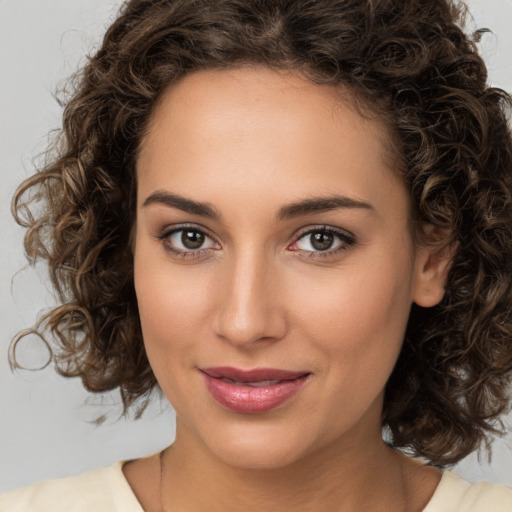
[259, 459]
[259, 449]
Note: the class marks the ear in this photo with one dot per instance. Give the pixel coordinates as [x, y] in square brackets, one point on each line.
[434, 256]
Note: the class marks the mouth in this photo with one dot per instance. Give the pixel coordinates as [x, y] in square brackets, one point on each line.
[253, 391]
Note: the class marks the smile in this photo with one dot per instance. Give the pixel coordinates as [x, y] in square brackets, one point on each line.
[253, 391]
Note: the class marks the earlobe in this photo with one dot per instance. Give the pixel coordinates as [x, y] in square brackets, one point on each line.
[433, 261]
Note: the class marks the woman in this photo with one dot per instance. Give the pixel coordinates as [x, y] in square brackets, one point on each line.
[294, 218]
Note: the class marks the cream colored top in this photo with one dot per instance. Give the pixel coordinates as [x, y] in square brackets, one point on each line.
[106, 490]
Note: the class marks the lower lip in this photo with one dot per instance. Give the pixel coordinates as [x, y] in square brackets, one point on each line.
[252, 399]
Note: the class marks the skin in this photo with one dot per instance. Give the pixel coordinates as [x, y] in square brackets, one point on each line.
[249, 143]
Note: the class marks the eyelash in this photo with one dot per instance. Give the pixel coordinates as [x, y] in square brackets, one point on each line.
[347, 240]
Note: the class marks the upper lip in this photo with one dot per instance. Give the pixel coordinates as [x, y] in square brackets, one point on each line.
[255, 375]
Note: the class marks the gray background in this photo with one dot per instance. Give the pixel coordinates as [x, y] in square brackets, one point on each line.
[46, 427]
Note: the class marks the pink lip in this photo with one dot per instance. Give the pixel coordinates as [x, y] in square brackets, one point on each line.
[250, 398]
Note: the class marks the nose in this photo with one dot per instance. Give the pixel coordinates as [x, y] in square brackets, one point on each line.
[249, 311]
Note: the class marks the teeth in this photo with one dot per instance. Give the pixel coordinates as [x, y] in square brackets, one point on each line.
[253, 384]
[263, 383]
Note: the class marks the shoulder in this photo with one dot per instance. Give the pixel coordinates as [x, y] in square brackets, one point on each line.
[101, 490]
[456, 495]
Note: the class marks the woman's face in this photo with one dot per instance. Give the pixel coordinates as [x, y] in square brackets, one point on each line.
[272, 234]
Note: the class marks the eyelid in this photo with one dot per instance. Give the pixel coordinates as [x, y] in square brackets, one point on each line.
[172, 228]
[343, 233]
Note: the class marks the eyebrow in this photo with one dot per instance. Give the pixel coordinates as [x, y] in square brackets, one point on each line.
[290, 211]
[319, 205]
[182, 203]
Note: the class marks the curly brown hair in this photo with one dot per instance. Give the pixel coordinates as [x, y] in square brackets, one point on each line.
[412, 64]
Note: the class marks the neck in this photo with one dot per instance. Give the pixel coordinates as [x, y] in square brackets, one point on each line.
[336, 478]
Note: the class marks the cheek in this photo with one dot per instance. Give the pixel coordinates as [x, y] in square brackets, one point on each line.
[357, 317]
[171, 307]
[172, 311]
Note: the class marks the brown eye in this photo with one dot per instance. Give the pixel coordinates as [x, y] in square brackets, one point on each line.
[192, 239]
[188, 240]
[321, 241]
[326, 240]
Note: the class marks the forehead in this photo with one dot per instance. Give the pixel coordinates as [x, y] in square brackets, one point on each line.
[257, 88]
[255, 127]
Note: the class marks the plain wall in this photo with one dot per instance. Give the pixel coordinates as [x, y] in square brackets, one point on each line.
[46, 427]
